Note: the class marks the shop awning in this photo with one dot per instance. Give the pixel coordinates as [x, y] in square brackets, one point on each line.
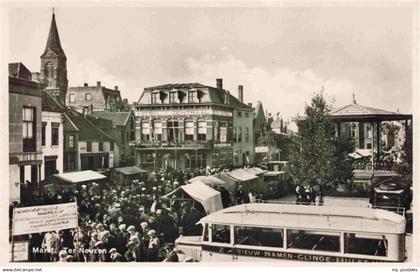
[78, 177]
[130, 170]
[206, 196]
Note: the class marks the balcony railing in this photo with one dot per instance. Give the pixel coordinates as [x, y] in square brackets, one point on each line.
[27, 156]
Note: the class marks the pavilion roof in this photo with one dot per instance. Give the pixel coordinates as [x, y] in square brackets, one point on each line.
[356, 112]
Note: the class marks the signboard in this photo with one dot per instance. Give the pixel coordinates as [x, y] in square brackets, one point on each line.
[44, 218]
[184, 112]
[261, 149]
[281, 255]
[21, 251]
[223, 133]
[14, 184]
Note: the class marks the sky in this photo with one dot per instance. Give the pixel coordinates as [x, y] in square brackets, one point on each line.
[281, 55]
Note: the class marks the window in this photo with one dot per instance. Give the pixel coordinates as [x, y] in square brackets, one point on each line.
[239, 134]
[235, 134]
[157, 130]
[202, 130]
[172, 97]
[192, 96]
[313, 240]
[145, 131]
[247, 134]
[223, 133]
[173, 131]
[206, 232]
[375, 245]
[239, 114]
[54, 133]
[89, 146]
[369, 145]
[88, 97]
[220, 234]
[132, 123]
[368, 131]
[154, 98]
[122, 136]
[29, 129]
[71, 141]
[111, 146]
[252, 236]
[49, 66]
[189, 130]
[101, 146]
[132, 136]
[246, 114]
[44, 126]
[72, 98]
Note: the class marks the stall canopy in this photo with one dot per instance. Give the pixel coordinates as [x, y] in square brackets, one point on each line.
[255, 171]
[200, 192]
[79, 177]
[208, 180]
[242, 175]
[130, 170]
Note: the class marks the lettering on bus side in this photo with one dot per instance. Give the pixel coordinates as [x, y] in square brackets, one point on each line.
[283, 255]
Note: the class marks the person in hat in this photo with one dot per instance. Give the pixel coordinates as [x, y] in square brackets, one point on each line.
[153, 247]
[62, 255]
[240, 195]
[114, 256]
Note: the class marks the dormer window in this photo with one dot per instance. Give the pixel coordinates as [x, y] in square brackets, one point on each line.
[192, 96]
[172, 97]
[154, 98]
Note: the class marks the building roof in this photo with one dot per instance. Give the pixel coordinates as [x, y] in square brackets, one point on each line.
[259, 112]
[87, 130]
[351, 219]
[18, 70]
[216, 96]
[50, 104]
[53, 41]
[117, 118]
[356, 112]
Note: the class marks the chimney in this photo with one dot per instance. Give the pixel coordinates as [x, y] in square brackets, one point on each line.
[241, 93]
[125, 101]
[116, 87]
[98, 83]
[85, 84]
[219, 83]
[250, 105]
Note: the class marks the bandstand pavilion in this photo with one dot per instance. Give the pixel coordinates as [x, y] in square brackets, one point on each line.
[367, 117]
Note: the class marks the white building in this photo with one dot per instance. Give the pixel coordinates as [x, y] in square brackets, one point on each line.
[52, 137]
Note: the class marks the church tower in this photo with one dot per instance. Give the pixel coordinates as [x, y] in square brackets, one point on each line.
[54, 65]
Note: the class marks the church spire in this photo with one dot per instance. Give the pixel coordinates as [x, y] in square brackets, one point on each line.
[53, 42]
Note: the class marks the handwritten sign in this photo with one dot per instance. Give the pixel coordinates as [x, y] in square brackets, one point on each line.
[20, 252]
[44, 218]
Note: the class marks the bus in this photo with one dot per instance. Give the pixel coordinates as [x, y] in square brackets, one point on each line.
[280, 232]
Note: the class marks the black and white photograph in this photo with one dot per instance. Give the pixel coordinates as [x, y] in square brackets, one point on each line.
[210, 133]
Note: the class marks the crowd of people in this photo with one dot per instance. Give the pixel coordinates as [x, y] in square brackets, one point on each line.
[125, 220]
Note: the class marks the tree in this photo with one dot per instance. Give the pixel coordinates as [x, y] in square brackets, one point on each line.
[320, 159]
[405, 168]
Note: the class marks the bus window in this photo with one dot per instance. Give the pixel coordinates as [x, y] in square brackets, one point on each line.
[221, 234]
[313, 240]
[375, 245]
[206, 232]
[268, 237]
